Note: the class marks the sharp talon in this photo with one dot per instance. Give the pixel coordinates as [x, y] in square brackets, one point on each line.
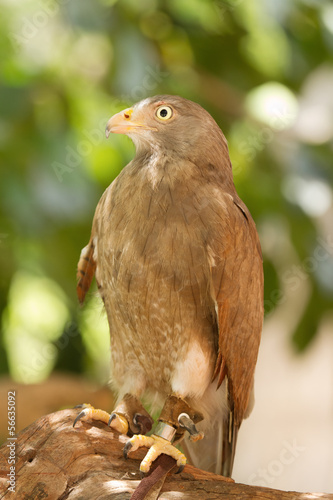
[188, 424]
[90, 413]
[144, 423]
[142, 474]
[80, 415]
[112, 417]
[180, 469]
[127, 449]
[118, 422]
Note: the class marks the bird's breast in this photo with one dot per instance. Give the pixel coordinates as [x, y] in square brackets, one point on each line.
[153, 266]
[155, 232]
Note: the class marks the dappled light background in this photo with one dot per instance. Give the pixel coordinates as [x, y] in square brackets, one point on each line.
[264, 70]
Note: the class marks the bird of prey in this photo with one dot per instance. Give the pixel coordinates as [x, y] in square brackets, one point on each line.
[178, 264]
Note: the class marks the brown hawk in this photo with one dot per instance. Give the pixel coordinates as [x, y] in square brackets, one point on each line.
[178, 265]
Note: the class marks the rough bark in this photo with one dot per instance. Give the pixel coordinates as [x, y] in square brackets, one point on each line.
[56, 461]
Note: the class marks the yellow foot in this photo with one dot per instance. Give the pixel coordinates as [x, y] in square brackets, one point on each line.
[116, 421]
[157, 445]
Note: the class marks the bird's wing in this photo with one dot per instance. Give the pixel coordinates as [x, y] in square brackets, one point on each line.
[85, 270]
[86, 267]
[237, 288]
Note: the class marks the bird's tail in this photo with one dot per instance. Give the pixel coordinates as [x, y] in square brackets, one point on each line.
[216, 451]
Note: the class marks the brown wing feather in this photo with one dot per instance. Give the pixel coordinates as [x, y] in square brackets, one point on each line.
[230, 433]
[238, 288]
[85, 270]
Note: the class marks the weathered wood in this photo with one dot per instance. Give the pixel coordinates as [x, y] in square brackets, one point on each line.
[56, 461]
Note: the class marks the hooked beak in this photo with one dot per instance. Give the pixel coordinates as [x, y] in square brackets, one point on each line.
[122, 123]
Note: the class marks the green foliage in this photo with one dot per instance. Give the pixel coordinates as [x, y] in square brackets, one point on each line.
[263, 69]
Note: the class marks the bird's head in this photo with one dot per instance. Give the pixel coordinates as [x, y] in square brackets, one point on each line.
[170, 124]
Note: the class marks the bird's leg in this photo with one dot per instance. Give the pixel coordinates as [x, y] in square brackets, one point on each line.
[176, 417]
[129, 417]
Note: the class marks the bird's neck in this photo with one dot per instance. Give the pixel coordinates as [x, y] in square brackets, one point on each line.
[158, 165]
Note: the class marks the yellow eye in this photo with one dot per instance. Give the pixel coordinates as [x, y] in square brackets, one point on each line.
[164, 113]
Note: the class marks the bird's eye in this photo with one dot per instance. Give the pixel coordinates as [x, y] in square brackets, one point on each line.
[164, 113]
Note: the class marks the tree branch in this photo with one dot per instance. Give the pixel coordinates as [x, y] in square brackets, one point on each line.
[56, 461]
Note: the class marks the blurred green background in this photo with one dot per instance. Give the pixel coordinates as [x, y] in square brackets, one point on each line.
[262, 68]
